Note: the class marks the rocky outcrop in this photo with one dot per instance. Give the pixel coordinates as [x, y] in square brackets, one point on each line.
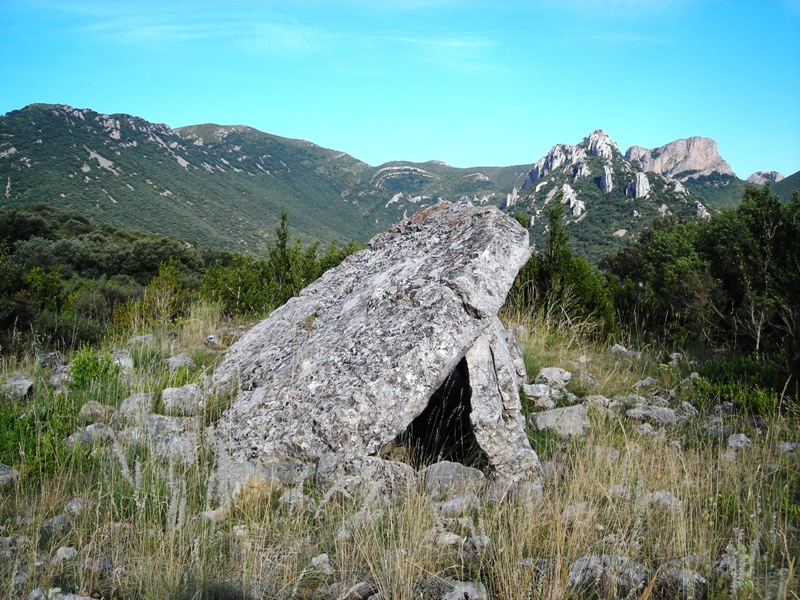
[682, 159]
[762, 177]
[601, 145]
[399, 340]
[639, 187]
[559, 155]
[607, 180]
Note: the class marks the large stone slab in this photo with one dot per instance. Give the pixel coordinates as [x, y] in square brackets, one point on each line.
[345, 367]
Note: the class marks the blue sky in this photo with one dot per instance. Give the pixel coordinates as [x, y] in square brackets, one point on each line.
[471, 83]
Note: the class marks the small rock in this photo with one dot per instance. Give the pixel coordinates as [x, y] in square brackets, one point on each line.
[50, 360]
[17, 387]
[540, 394]
[86, 436]
[675, 359]
[458, 505]
[174, 439]
[63, 553]
[663, 500]
[183, 401]
[611, 453]
[588, 380]
[605, 573]
[179, 361]
[57, 525]
[738, 440]
[465, 590]
[448, 539]
[295, 499]
[42, 593]
[565, 422]
[7, 475]
[685, 413]
[646, 430]
[122, 358]
[447, 477]
[95, 412]
[136, 406]
[142, 340]
[574, 512]
[211, 340]
[681, 583]
[322, 565]
[657, 415]
[618, 349]
[554, 376]
[61, 378]
[783, 448]
[647, 382]
[74, 506]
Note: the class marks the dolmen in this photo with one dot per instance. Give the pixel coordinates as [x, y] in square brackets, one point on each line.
[400, 345]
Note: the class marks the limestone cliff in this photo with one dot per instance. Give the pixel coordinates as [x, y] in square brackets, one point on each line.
[682, 159]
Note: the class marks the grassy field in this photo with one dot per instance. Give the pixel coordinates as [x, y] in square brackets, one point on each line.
[675, 499]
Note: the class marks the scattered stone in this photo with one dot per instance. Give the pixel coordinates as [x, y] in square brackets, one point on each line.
[174, 439]
[147, 339]
[783, 448]
[618, 349]
[366, 479]
[42, 593]
[179, 361]
[647, 382]
[322, 564]
[465, 590]
[367, 347]
[87, 436]
[57, 525]
[343, 591]
[607, 574]
[211, 340]
[675, 359]
[587, 380]
[74, 506]
[565, 422]
[62, 554]
[663, 500]
[136, 406]
[611, 454]
[50, 360]
[448, 539]
[540, 394]
[295, 499]
[554, 376]
[61, 379]
[647, 430]
[458, 505]
[7, 475]
[657, 415]
[184, 401]
[445, 478]
[739, 440]
[574, 512]
[123, 359]
[685, 412]
[95, 412]
[677, 582]
[17, 387]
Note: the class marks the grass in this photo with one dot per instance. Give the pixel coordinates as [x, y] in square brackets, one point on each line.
[142, 533]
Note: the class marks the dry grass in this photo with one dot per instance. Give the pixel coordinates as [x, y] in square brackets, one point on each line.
[156, 544]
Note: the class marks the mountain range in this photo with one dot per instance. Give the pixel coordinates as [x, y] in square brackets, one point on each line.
[224, 186]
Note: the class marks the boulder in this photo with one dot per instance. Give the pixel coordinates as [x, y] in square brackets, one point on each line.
[400, 341]
[565, 422]
[184, 401]
[17, 387]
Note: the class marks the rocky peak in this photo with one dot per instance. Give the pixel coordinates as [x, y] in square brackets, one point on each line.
[762, 177]
[601, 145]
[560, 155]
[682, 159]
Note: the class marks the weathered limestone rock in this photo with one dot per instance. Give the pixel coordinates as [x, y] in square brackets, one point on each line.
[347, 366]
[183, 401]
[565, 422]
[607, 180]
[17, 387]
[682, 159]
[639, 187]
